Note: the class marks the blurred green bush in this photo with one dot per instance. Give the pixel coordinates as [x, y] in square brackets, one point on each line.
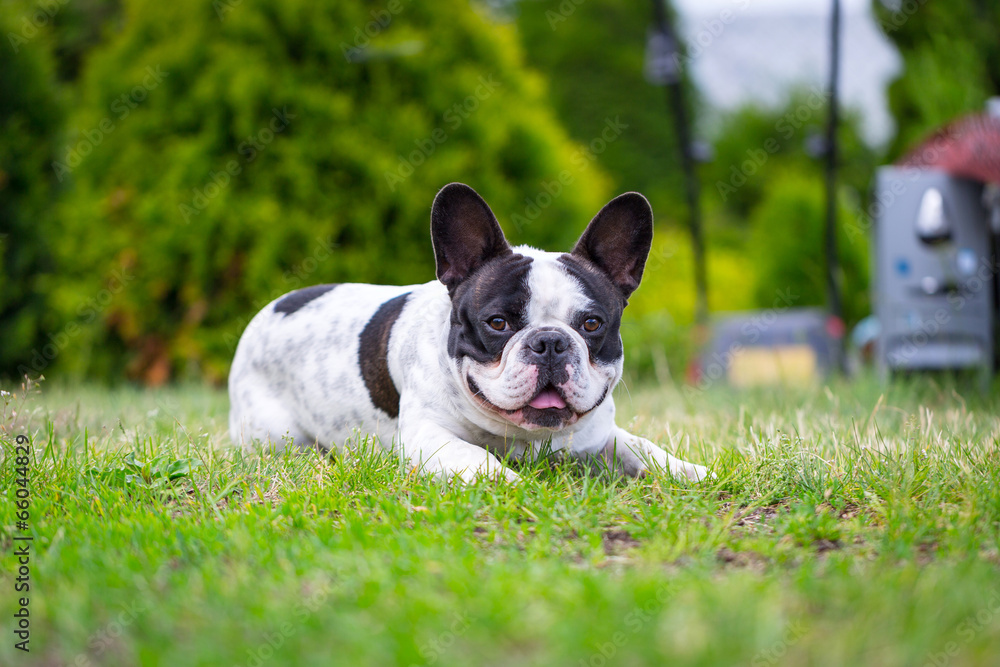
[787, 242]
[753, 143]
[764, 204]
[168, 168]
[224, 153]
[768, 179]
[30, 121]
[951, 63]
[593, 55]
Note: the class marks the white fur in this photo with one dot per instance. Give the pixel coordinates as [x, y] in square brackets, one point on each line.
[556, 298]
[297, 377]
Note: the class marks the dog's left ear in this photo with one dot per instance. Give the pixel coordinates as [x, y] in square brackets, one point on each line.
[465, 234]
[618, 239]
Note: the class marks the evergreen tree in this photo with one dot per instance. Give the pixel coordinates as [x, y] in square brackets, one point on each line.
[951, 58]
[30, 117]
[593, 54]
[224, 153]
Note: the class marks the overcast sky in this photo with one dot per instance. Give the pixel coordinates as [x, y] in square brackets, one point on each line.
[762, 48]
[710, 6]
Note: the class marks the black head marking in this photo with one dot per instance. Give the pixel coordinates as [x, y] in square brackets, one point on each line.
[293, 301]
[465, 234]
[618, 239]
[373, 356]
[605, 345]
[498, 288]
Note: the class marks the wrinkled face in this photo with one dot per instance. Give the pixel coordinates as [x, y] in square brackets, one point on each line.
[535, 336]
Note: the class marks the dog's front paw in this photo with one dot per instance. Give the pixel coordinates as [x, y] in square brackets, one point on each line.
[692, 471]
[463, 461]
[677, 468]
[492, 471]
[639, 456]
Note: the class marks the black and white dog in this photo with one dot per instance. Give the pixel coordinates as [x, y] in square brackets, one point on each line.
[511, 348]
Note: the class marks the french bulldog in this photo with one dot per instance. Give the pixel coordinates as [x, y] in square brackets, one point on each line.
[509, 351]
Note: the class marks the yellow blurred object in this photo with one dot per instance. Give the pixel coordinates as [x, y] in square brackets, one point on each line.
[781, 365]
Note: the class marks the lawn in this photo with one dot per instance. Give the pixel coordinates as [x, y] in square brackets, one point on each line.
[855, 524]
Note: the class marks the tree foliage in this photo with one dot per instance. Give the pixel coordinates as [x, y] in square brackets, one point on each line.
[787, 241]
[768, 178]
[951, 58]
[756, 145]
[30, 118]
[593, 55]
[224, 153]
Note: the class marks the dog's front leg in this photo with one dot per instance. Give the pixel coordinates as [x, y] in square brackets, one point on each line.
[434, 449]
[635, 456]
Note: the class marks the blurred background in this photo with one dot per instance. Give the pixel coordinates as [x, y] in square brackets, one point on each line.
[167, 168]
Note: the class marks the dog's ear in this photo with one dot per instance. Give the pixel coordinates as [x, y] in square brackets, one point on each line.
[465, 234]
[618, 239]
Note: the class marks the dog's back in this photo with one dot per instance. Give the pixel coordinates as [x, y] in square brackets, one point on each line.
[318, 346]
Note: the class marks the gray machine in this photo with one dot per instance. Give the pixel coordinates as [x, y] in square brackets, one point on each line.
[934, 274]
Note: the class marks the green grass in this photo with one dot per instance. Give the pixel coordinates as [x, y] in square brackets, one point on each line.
[852, 524]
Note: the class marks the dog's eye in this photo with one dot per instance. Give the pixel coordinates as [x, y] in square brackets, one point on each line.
[498, 323]
[591, 324]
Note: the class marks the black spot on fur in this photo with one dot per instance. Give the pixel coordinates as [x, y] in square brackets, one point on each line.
[373, 359]
[498, 288]
[605, 344]
[292, 301]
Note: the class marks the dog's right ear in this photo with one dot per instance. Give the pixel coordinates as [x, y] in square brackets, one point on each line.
[465, 234]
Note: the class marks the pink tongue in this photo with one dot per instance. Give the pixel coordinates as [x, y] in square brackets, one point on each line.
[549, 398]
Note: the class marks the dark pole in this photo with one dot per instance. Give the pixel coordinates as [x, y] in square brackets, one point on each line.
[675, 100]
[832, 265]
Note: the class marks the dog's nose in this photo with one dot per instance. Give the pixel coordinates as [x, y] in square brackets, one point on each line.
[546, 346]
